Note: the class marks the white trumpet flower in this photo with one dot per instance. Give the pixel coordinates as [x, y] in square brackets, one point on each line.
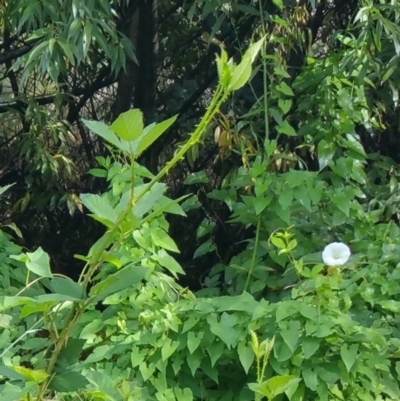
[336, 254]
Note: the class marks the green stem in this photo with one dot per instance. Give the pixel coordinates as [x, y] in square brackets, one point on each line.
[253, 259]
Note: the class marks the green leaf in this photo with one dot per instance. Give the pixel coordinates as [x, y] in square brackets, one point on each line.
[286, 128]
[310, 346]
[87, 37]
[167, 261]
[190, 323]
[183, 394]
[285, 105]
[349, 355]
[10, 373]
[329, 373]
[204, 248]
[129, 125]
[9, 392]
[66, 286]
[67, 50]
[310, 378]
[326, 151]
[278, 3]
[148, 200]
[104, 132]
[246, 355]
[290, 334]
[224, 70]
[194, 340]
[390, 305]
[205, 227]
[168, 348]
[70, 354]
[241, 73]
[37, 51]
[342, 203]
[68, 381]
[147, 370]
[5, 188]
[137, 357]
[224, 329]
[150, 134]
[215, 350]
[284, 88]
[274, 386]
[165, 204]
[194, 360]
[128, 276]
[199, 177]
[39, 263]
[285, 198]
[103, 384]
[163, 240]
[260, 203]
[99, 206]
[98, 172]
[37, 376]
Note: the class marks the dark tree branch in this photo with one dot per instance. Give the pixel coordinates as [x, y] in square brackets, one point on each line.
[15, 53]
[126, 79]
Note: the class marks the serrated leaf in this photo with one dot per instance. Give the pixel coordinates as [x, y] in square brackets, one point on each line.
[104, 132]
[99, 206]
[163, 240]
[148, 200]
[127, 277]
[129, 125]
[167, 261]
[150, 134]
[68, 381]
[70, 354]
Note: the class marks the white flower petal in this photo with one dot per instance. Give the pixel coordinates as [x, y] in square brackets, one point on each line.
[336, 254]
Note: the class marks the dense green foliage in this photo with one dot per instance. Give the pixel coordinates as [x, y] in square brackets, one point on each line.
[171, 174]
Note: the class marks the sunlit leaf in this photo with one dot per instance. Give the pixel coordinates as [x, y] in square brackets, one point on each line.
[129, 125]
